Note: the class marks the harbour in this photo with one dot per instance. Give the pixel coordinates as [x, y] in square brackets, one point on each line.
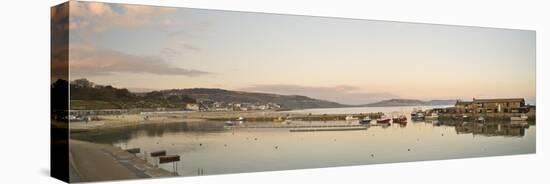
[211, 147]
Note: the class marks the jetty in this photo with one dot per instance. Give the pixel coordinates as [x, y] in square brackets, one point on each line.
[281, 116]
[99, 162]
[328, 129]
[300, 126]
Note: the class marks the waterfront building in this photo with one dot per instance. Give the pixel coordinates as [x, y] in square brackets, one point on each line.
[498, 105]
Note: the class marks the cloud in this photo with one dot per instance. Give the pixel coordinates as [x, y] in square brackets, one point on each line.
[59, 41]
[177, 49]
[169, 52]
[98, 17]
[188, 46]
[345, 94]
[85, 60]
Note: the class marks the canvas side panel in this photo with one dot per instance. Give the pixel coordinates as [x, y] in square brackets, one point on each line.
[59, 96]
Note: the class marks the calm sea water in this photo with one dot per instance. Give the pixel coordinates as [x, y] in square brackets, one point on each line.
[212, 148]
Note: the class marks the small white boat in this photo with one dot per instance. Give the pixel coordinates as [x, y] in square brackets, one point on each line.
[523, 117]
[240, 118]
[365, 120]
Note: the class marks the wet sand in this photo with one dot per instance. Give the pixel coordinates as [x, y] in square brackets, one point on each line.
[97, 162]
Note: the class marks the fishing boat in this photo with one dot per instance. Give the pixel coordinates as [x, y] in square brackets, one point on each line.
[522, 117]
[365, 120]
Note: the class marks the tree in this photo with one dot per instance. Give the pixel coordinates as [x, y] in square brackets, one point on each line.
[83, 83]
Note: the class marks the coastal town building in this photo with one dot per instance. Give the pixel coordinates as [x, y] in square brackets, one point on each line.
[210, 105]
[498, 105]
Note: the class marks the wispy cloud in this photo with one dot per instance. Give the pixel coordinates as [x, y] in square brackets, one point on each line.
[345, 94]
[178, 48]
[86, 60]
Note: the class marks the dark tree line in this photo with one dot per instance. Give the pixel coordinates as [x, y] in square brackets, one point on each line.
[84, 90]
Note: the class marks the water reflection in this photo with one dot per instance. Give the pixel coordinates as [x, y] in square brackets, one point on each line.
[124, 134]
[213, 148]
[507, 129]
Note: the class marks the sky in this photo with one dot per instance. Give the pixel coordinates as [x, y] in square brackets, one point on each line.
[343, 60]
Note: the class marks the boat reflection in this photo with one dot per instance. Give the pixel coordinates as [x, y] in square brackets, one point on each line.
[506, 129]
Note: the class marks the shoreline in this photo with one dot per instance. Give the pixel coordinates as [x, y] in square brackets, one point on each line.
[125, 120]
[134, 119]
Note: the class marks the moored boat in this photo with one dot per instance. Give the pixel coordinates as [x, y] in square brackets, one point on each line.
[383, 120]
[365, 120]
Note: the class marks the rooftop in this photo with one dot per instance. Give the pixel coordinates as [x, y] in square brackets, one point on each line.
[500, 100]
